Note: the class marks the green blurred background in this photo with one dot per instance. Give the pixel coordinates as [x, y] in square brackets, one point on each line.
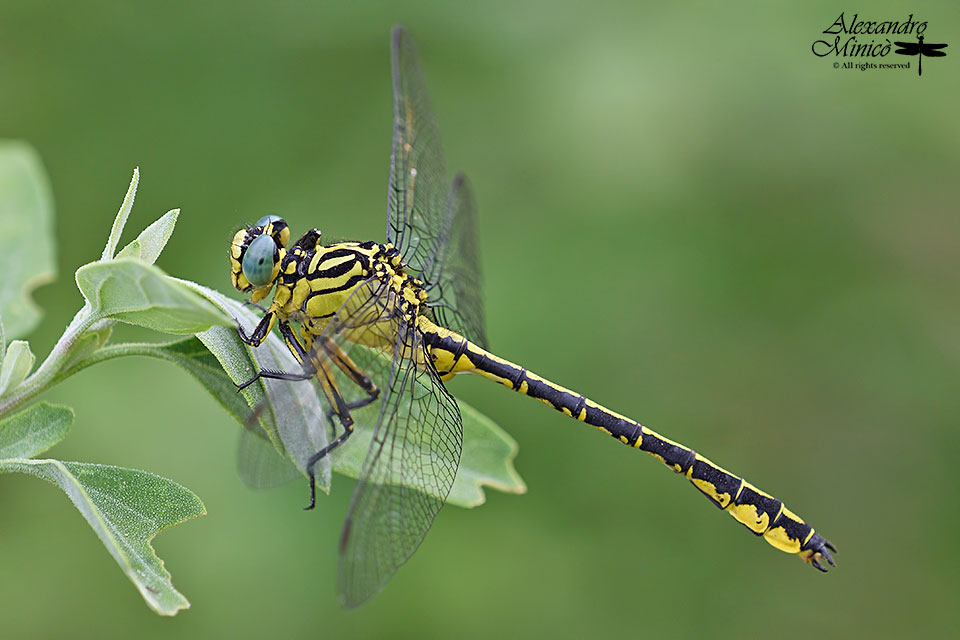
[683, 213]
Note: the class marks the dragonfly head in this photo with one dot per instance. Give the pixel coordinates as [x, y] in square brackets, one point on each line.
[256, 253]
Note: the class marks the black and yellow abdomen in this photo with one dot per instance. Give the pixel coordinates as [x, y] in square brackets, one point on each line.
[758, 511]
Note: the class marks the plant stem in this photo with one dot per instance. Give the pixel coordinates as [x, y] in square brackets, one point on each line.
[50, 367]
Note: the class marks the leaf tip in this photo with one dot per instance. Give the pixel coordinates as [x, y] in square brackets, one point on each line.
[121, 219]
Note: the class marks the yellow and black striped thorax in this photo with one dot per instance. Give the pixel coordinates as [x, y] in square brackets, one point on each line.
[313, 281]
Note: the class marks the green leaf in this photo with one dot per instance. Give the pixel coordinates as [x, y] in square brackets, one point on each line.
[238, 366]
[32, 431]
[26, 239]
[152, 240]
[121, 220]
[132, 250]
[296, 424]
[126, 508]
[15, 366]
[487, 460]
[137, 293]
[3, 342]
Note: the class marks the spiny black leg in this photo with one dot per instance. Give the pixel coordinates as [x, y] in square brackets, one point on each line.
[315, 458]
[248, 303]
[276, 375]
[294, 345]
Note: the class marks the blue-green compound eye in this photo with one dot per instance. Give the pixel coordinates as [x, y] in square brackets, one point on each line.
[265, 220]
[258, 260]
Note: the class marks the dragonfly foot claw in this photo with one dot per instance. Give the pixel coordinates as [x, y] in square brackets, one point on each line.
[820, 549]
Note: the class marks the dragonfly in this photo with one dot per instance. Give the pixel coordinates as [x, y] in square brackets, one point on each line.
[920, 49]
[383, 327]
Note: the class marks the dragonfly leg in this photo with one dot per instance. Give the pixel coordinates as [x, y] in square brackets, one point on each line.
[275, 375]
[356, 404]
[296, 348]
[352, 371]
[260, 333]
[338, 405]
[315, 458]
[249, 303]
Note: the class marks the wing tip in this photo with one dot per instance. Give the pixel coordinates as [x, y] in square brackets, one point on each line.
[397, 34]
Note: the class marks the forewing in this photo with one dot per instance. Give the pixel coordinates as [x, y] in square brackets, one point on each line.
[414, 452]
[407, 474]
[432, 225]
[418, 175]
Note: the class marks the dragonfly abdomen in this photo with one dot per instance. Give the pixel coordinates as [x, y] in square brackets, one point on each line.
[760, 512]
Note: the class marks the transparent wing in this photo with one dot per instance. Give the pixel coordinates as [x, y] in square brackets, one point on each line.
[413, 450]
[418, 175]
[409, 469]
[432, 225]
[260, 465]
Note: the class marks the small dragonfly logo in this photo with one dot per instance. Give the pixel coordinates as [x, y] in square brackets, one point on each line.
[920, 49]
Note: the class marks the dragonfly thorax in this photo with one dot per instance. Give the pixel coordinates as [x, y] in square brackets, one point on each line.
[313, 281]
